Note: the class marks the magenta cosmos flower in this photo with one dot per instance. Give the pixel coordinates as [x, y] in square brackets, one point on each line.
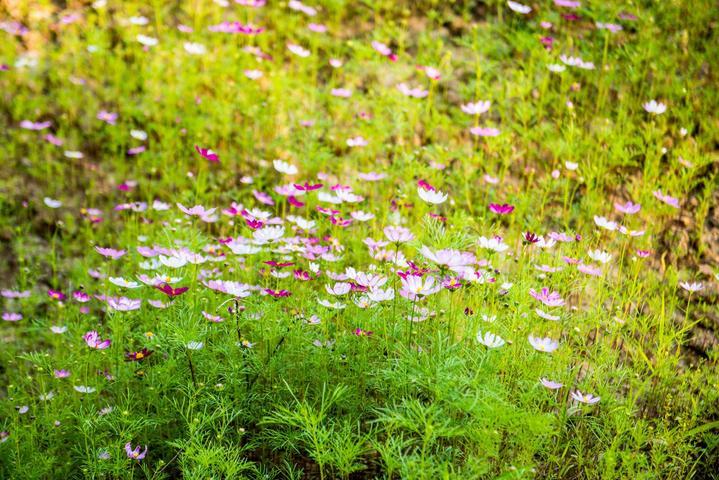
[208, 154]
[502, 209]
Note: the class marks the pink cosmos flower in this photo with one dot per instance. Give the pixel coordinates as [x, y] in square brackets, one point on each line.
[196, 211]
[484, 131]
[357, 141]
[110, 252]
[123, 304]
[590, 269]
[628, 208]
[134, 454]
[550, 299]
[212, 318]
[61, 373]
[416, 92]
[80, 296]
[415, 286]
[341, 92]
[11, 316]
[552, 385]
[208, 154]
[29, 125]
[398, 234]
[93, 340]
[669, 200]
[384, 50]
[476, 108]
[587, 398]
[107, 117]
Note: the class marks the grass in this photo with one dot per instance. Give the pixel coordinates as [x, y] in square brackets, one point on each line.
[309, 365]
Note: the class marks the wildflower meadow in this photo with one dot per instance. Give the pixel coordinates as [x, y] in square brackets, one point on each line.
[383, 239]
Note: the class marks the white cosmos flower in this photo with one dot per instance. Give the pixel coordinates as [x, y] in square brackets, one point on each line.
[195, 48]
[268, 234]
[139, 135]
[147, 41]
[298, 50]
[494, 243]
[284, 167]
[52, 203]
[243, 248]
[172, 262]
[328, 304]
[657, 108]
[545, 344]
[379, 295]
[349, 197]
[435, 197]
[489, 339]
[339, 288]
[599, 256]
[195, 345]
[605, 223]
[83, 389]
[518, 7]
[546, 315]
[361, 216]
[121, 282]
[329, 198]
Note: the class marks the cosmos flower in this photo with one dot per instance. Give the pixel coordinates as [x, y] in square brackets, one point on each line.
[550, 384]
[433, 197]
[518, 7]
[93, 340]
[587, 398]
[545, 344]
[628, 208]
[476, 108]
[495, 244]
[170, 291]
[692, 287]
[11, 316]
[56, 295]
[137, 356]
[110, 252]
[52, 203]
[414, 286]
[123, 304]
[669, 200]
[484, 131]
[398, 234]
[208, 154]
[490, 340]
[550, 299]
[657, 108]
[194, 48]
[502, 209]
[298, 50]
[134, 454]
